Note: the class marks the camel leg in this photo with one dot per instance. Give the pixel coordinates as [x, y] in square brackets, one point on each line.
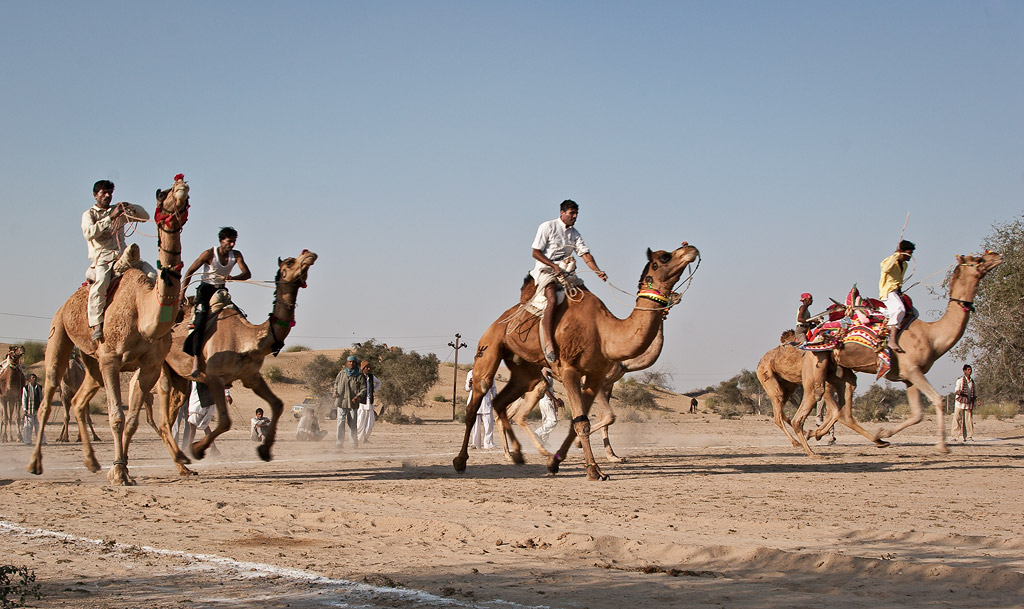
[260, 388]
[168, 402]
[606, 420]
[530, 399]
[64, 436]
[813, 373]
[110, 373]
[58, 349]
[914, 389]
[779, 395]
[580, 401]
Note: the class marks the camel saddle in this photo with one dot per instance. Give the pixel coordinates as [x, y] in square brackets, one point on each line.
[569, 281]
[861, 321]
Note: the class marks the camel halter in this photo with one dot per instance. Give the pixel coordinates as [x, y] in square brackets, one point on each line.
[274, 320]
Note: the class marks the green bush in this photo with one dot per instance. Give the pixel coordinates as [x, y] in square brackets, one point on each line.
[440, 398]
[999, 410]
[296, 349]
[274, 374]
[633, 393]
[17, 584]
[318, 375]
[35, 351]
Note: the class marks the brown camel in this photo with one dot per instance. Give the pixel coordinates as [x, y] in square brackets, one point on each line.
[72, 380]
[591, 340]
[234, 351]
[923, 343]
[12, 381]
[137, 336]
[781, 372]
[519, 410]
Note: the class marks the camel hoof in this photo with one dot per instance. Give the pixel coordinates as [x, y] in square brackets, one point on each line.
[460, 464]
[118, 476]
[881, 443]
[92, 465]
[35, 468]
[199, 453]
[517, 458]
[264, 452]
[616, 459]
[553, 463]
[942, 448]
[185, 472]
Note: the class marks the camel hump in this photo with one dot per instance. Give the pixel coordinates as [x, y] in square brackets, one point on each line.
[787, 336]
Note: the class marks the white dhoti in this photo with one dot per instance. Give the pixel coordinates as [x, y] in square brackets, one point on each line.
[548, 418]
[894, 309]
[364, 422]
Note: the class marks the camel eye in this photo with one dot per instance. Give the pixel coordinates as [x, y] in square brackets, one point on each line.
[665, 257]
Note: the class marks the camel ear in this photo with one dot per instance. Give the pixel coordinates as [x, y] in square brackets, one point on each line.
[649, 254]
[161, 195]
[960, 259]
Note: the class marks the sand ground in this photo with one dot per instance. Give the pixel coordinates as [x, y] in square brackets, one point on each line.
[705, 512]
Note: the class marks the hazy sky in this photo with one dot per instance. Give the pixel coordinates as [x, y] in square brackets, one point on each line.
[416, 146]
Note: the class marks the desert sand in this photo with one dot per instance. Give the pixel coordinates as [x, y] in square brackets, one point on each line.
[704, 512]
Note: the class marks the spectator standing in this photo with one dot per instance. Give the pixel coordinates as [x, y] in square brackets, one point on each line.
[31, 397]
[200, 414]
[963, 414]
[366, 416]
[349, 389]
[548, 404]
[482, 435]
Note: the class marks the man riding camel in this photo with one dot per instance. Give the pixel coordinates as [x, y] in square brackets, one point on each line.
[890, 289]
[103, 229]
[555, 242]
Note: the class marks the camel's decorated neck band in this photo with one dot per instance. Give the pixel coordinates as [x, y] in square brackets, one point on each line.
[967, 305]
[163, 219]
[652, 294]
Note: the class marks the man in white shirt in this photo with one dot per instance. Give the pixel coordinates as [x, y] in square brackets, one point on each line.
[103, 229]
[963, 413]
[556, 240]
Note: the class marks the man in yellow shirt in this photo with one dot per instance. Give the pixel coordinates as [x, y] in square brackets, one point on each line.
[890, 289]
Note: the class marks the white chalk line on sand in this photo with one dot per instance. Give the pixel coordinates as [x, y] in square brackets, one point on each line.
[254, 570]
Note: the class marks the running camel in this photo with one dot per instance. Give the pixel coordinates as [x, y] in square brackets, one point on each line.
[137, 336]
[591, 341]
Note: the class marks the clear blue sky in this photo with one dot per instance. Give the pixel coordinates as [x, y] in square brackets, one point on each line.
[416, 146]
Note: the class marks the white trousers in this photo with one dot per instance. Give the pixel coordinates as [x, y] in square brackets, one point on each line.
[894, 309]
[364, 422]
[482, 435]
[101, 274]
[548, 418]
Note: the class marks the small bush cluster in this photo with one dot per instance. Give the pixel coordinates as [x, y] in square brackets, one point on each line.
[17, 584]
[34, 352]
[274, 375]
[296, 349]
[635, 394]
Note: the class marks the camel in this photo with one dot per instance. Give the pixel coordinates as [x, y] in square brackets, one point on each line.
[923, 343]
[137, 336]
[12, 381]
[519, 410]
[781, 372]
[69, 384]
[233, 351]
[591, 340]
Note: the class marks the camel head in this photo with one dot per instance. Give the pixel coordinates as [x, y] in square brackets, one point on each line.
[963, 284]
[664, 269]
[14, 353]
[293, 270]
[172, 205]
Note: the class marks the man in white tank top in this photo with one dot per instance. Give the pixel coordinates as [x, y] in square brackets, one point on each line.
[217, 263]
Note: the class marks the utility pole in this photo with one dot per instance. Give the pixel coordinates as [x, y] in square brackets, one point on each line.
[455, 382]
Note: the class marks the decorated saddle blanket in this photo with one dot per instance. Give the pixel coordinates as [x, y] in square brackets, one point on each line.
[860, 321]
